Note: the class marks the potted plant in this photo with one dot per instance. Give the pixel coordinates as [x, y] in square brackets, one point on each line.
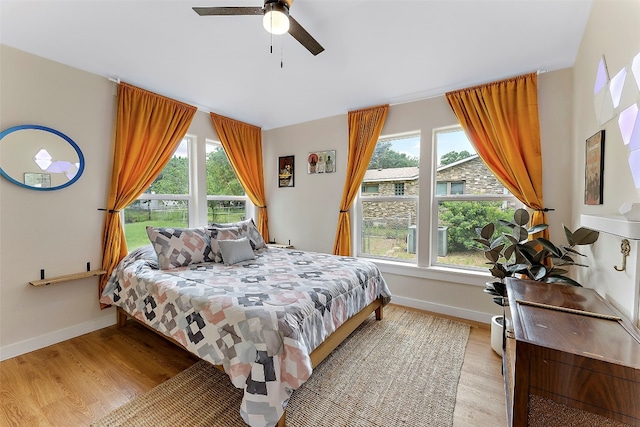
[538, 259]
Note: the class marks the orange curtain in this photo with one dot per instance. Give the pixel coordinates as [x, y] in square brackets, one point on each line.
[501, 120]
[364, 130]
[149, 128]
[243, 144]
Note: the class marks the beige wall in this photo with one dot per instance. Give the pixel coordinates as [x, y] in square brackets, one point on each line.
[612, 31]
[309, 210]
[60, 231]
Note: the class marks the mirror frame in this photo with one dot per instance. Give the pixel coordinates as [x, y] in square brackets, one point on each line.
[75, 146]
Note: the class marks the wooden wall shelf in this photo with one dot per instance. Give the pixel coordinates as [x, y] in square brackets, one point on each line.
[67, 277]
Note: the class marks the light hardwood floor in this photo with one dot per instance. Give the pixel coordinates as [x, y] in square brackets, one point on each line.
[78, 381]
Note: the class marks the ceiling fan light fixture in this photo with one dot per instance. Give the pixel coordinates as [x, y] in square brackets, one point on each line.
[276, 18]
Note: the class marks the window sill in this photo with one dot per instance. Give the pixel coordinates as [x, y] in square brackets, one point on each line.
[445, 274]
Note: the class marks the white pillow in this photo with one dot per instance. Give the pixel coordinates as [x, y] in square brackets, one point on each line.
[234, 251]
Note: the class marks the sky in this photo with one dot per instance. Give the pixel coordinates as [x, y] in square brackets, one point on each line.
[181, 151]
[447, 142]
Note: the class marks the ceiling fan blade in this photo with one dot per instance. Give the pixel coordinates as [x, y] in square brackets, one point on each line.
[304, 37]
[205, 11]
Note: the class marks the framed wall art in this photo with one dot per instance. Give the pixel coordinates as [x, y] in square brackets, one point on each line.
[286, 171]
[321, 162]
[593, 169]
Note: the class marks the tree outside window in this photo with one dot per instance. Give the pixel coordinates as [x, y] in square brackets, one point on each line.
[466, 195]
[169, 200]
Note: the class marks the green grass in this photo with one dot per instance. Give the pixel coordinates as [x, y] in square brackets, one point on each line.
[136, 232]
[226, 216]
[469, 259]
[394, 248]
[136, 236]
[397, 248]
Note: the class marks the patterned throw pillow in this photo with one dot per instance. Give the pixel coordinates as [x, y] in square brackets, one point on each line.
[179, 247]
[248, 229]
[235, 251]
[218, 233]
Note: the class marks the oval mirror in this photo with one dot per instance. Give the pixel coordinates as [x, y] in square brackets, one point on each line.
[39, 158]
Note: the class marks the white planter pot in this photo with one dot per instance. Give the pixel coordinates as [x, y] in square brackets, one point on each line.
[496, 334]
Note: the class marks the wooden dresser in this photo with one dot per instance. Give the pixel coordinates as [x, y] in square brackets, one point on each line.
[590, 362]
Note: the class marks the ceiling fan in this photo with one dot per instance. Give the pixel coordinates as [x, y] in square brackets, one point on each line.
[276, 20]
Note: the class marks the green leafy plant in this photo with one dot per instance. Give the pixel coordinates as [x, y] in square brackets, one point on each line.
[536, 259]
[463, 218]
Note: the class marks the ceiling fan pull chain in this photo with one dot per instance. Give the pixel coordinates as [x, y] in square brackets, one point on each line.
[281, 56]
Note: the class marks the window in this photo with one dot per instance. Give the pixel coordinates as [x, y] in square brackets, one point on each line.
[165, 203]
[226, 199]
[387, 208]
[369, 188]
[390, 222]
[449, 187]
[170, 201]
[467, 196]
[456, 188]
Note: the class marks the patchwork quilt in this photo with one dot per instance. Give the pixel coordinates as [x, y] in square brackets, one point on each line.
[260, 319]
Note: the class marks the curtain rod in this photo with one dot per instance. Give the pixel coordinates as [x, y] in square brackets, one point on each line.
[538, 72]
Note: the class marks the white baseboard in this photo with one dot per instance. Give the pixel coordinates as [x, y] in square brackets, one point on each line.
[13, 350]
[447, 310]
[26, 346]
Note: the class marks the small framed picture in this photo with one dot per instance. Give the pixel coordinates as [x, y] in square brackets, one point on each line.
[321, 162]
[286, 171]
[39, 180]
[593, 169]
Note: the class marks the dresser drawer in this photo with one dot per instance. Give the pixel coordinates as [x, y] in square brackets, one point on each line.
[604, 394]
[586, 357]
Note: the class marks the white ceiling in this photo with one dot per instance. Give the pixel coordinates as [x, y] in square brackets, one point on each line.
[376, 51]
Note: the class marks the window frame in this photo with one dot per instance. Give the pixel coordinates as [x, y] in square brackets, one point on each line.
[449, 184]
[357, 211]
[436, 199]
[197, 199]
[459, 198]
[358, 228]
[188, 197]
[370, 185]
[425, 267]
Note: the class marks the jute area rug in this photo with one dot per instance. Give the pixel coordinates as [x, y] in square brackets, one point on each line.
[401, 371]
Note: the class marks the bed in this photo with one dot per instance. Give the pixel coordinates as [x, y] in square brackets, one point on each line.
[266, 317]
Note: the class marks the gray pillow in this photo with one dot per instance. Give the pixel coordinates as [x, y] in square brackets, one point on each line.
[179, 247]
[234, 251]
[248, 229]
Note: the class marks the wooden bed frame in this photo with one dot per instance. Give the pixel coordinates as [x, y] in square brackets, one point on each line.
[317, 355]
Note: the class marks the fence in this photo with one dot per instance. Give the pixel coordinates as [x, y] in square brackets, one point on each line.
[387, 236]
